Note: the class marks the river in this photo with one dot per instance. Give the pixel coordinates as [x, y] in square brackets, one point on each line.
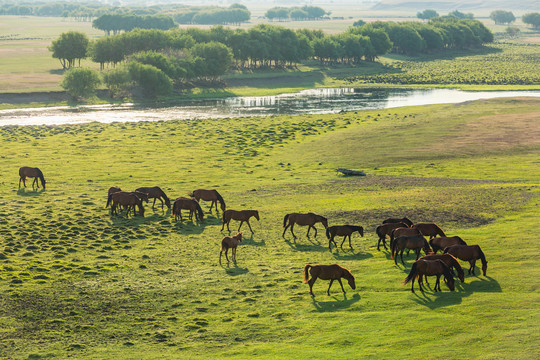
[313, 101]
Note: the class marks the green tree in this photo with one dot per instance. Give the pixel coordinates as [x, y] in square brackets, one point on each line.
[512, 31]
[532, 19]
[427, 14]
[150, 79]
[458, 14]
[118, 81]
[502, 17]
[80, 82]
[359, 22]
[70, 46]
[218, 58]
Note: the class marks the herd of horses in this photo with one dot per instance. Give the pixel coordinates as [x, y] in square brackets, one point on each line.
[402, 232]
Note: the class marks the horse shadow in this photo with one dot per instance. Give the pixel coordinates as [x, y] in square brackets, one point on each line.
[337, 304]
[351, 255]
[24, 192]
[191, 227]
[251, 241]
[482, 284]
[315, 246]
[235, 270]
[439, 299]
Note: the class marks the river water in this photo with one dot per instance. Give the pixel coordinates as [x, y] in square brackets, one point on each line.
[313, 101]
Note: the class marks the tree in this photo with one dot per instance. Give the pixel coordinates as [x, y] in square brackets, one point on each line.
[359, 22]
[427, 14]
[70, 46]
[502, 17]
[152, 81]
[118, 81]
[532, 19]
[512, 31]
[80, 82]
[458, 14]
[218, 58]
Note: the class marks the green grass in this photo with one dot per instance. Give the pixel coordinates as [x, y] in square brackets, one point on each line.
[76, 282]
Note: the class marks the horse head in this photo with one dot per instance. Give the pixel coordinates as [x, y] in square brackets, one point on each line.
[350, 278]
[361, 230]
[256, 215]
[450, 282]
[238, 237]
[141, 209]
[484, 268]
[323, 220]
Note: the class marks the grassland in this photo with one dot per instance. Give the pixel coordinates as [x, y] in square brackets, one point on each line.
[76, 282]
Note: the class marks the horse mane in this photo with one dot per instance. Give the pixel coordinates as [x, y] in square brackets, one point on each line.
[458, 267]
[220, 199]
[460, 240]
[162, 193]
[199, 209]
[446, 270]
[346, 271]
[41, 177]
[482, 256]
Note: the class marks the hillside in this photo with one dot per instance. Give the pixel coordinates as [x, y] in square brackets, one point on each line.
[419, 5]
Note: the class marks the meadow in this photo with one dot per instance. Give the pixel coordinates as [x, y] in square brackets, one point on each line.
[78, 282]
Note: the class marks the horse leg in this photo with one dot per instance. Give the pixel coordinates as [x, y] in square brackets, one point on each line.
[420, 283]
[292, 226]
[155, 204]
[341, 245]
[229, 230]
[329, 286]
[247, 221]
[20, 182]
[438, 283]
[379, 243]
[233, 254]
[309, 228]
[350, 245]
[241, 222]
[340, 283]
[401, 255]
[412, 286]
[473, 265]
[311, 282]
[314, 228]
[283, 235]
[417, 253]
[34, 182]
[226, 251]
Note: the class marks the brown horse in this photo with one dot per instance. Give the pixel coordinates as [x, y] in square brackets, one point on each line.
[342, 230]
[309, 219]
[187, 204]
[209, 195]
[127, 200]
[112, 190]
[429, 229]
[404, 220]
[430, 268]
[230, 242]
[403, 231]
[386, 229]
[30, 172]
[327, 272]
[469, 253]
[155, 193]
[416, 243]
[450, 261]
[242, 215]
[442, 242]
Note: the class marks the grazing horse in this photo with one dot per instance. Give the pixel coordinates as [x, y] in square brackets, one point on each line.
[386, 229]
[429, 229]
[342, 230]
[327, 272]
[187, 204]
[442, 242]
[155, 193]
[308, 219]
[469, 253]
[404, 220]
[30, 172]
[125, 199]
[449, 261]
[416, 243]
[112, 190]
[403, 231]
[230, 242]
[242, 215]
[431, 268]
[209, 195]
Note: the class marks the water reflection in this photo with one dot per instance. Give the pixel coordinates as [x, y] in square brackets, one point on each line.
[312, 101]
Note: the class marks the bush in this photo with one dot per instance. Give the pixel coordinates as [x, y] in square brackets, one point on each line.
[80, 82]
[152, 81]
[118, 81]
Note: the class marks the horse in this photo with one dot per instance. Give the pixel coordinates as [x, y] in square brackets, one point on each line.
[442, 242]
[342, 230]
[402, 231]
[209, 195]
[469, 253]
[242, 215]
[30, 172]
[126, 199]
[416, 243]
[155, 193]
[112, 190]
[449, 261]
[308, 219]
[404, 220]
[429, 229]
[327, 272]
[230, 242]
[187, 204]
[431, 268]
[386, 229]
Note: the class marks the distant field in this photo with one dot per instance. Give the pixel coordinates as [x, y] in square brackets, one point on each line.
[77, 282]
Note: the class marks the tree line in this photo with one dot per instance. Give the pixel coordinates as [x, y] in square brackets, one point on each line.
[295, 13]
[212, 15]
[127, 22]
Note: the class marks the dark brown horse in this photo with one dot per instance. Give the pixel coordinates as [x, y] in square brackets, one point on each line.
[403, 231]
[155, 193]
[469, 253]
[450, 261]
[128, 200]
[328, 272]
[416, 243]
[430, 268]
[209, 195]
[309, 219]
[342, 230]
[442, 242]
[112, 190]
[30, 172]
[183, 203]
[230, 242]
[241, 215]
[386, 229]
[429, 229]
[404, 220]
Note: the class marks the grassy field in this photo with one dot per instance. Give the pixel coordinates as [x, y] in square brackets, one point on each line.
[77, 282]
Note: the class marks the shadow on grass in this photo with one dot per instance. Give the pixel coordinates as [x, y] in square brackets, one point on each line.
[314, 246]
[251, 241]
[234, 270]
[24, 192]
[435, 300]
[351, 255]
[190, 227]
[335, 305]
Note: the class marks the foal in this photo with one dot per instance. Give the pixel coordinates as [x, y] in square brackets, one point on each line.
[230, 242]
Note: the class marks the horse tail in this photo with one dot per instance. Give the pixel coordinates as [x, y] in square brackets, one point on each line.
[412, 273]
[221, 201]
[199, 210]
[109, 198]
[174, 206]
[392, 247]
[285, 220]
[392, 235]
[306, 269]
